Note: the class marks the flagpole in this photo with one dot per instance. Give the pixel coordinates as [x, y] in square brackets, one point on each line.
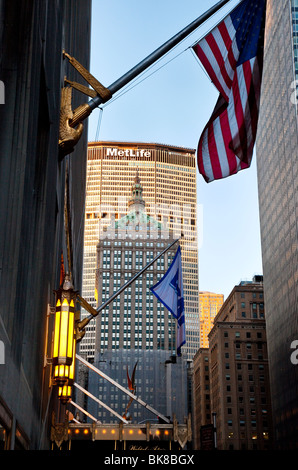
[145, 63]
[84, 322]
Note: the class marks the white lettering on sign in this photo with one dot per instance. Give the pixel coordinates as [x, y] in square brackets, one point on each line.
[114, 152]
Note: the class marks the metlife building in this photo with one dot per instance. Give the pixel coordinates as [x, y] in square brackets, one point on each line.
[168, 176]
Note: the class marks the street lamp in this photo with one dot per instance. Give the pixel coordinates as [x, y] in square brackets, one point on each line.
[64, 333]
[65, 390]
[68, 331]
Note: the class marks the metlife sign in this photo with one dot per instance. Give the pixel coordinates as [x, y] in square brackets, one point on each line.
[140, 153]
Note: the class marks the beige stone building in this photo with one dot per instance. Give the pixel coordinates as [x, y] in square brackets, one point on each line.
[209, 305]
[238, 372]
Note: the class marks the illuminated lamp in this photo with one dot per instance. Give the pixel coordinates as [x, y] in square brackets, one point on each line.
[64, 393]
[64, 333]
[61, 373]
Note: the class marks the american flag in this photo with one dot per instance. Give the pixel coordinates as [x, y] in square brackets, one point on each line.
[232, 54]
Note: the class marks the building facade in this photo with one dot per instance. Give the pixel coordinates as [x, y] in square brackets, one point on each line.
[294, 18]
[209, 305]
[135, 319]
[238, 373]
[35, 182]
[202, 414]
[277, 168]
[168, 176]
[136, 330]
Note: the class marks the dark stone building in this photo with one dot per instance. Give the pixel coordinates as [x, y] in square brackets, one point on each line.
[277, 152]
[42, 197]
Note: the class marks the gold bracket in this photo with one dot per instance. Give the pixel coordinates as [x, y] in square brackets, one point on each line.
[80, 325]
[100, 90]
[71, 126]
[86, 305]
[82, 88]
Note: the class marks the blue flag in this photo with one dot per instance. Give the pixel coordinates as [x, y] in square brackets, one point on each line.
[169, 290]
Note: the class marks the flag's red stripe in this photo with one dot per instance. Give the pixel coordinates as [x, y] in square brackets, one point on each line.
[251, 118]
[249, 108]
[215, 163]
[251, 98]
[222, 27]
[232, 59]
[240, 118]
[244, 165]
[227, 138]
[228, 43]
[219, 59]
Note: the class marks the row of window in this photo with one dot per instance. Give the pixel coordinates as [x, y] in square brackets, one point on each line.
[129, 243]
[251, 377]
[253, 423]
[248, 334]
[254, 295]
[137, 321]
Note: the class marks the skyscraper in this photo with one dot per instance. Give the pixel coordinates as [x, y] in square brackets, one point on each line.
[294, 11]
[210, 304]
[277, 149]
[168, 176]
[135, 319]
[136, 330]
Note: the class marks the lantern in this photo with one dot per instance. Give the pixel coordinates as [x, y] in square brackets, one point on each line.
[64, 333]
[61, 374]
[64, 393]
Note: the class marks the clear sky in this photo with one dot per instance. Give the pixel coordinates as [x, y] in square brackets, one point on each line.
[172, 106]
